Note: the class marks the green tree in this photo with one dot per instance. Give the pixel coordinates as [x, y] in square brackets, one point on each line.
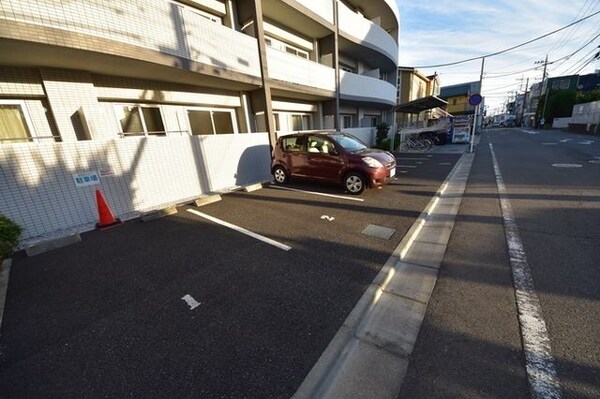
[588, 97]
[382, 132]
[560, 104]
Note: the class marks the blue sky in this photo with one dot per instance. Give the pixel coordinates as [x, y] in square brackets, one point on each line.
[442, 31]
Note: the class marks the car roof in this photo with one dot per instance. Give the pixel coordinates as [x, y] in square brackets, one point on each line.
[321, 133]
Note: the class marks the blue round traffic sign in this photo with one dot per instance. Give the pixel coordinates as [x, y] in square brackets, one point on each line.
[475, 99]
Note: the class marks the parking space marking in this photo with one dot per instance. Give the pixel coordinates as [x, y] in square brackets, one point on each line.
[317, 193]
[192, 303]
[412, 159]
[406, 166]
[241, 230]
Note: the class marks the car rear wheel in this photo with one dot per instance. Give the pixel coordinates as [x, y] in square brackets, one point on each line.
[280, 174]
[355, 183]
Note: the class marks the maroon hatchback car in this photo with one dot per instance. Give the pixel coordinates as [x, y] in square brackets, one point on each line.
[337, 158]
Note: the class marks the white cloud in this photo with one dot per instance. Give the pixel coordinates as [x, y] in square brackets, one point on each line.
[443, 31]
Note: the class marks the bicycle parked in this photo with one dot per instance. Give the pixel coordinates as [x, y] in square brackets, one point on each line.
[412, 144]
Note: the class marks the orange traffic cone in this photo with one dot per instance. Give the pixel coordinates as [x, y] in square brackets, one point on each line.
[107, 219]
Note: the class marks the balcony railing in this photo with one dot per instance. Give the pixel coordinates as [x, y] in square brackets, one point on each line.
[323, 8]
[162, 26]
[366, 88]
[293, 69]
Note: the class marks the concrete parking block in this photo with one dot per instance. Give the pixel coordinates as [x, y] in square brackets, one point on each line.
[367, 372]
[253, 187]
[393, 323]
[49, 245]
[209, 199]
[425, 253]
[413, 282]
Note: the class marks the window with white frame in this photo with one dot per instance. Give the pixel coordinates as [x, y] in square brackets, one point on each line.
[279, 45]
[211, 121]
[300, 122]
[140, 120]
[204, 14]
[14, 122]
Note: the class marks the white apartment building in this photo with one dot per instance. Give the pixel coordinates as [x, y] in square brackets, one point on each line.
[158, 102]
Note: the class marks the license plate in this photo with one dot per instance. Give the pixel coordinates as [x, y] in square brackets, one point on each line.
[392, 172]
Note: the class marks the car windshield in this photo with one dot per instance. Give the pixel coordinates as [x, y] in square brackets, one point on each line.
[350, 144]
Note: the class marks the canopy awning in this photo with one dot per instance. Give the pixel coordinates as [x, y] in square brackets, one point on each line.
[421, 104]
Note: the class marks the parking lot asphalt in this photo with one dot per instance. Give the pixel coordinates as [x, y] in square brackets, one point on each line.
[184, 306]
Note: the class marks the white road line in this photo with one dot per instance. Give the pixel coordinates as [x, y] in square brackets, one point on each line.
[549, 143]
[241, 230]
[412, 159]
[192, 303]
[406, 166]
[540, 365]
[316, 193]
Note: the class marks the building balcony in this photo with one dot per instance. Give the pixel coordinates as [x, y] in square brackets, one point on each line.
[164, 33]
[366, 33]
[289, 69]
[324, 9]
[355, 87]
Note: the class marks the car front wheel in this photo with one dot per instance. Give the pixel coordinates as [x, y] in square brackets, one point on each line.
[280, 175]
[355, 183]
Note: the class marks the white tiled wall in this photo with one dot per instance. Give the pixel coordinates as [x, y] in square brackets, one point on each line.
[39, 193]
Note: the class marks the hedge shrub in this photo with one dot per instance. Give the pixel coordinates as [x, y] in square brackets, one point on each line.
[9, 236]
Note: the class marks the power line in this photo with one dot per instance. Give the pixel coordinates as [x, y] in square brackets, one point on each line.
[510, 48]
[564, 38]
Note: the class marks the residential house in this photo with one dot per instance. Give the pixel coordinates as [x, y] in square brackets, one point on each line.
[418, 102]
[457, 97]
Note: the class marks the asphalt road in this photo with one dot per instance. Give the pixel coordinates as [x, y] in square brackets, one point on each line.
[106, 317]
[470, 342]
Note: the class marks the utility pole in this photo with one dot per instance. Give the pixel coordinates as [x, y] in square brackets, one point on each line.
[336, 64]
[524, 102]
[477, 108]
[546, 83]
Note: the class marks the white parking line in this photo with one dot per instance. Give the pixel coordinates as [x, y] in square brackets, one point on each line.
[241, 230]
[540, 365]
[406, 166]
[316, 193]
